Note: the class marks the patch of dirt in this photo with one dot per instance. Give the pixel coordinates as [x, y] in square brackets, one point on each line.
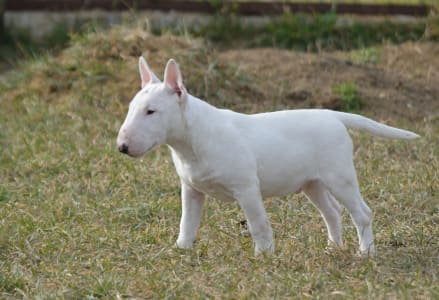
[404, 83]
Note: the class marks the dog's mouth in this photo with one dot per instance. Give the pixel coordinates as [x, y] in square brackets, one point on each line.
[140, 154]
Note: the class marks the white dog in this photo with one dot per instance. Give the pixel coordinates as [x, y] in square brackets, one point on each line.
[230, 155]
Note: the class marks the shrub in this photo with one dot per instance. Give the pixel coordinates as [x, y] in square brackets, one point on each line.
[348, 93]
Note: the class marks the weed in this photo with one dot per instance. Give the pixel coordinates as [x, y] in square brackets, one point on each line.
[366, 56]
[58, 37]
[349, 95]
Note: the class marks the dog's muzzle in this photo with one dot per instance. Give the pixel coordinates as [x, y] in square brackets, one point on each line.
[123, 148]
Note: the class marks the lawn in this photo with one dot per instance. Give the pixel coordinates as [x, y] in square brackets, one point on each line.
[78, 220]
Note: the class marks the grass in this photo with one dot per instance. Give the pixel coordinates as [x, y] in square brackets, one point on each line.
[80, 221]
[366, 56]
[349, 95]
[311, 33]
[17, 42]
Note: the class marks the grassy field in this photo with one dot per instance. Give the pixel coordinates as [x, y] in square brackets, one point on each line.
[80, 221]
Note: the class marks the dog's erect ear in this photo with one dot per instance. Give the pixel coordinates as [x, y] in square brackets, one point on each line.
[146, 75]
[173, 78]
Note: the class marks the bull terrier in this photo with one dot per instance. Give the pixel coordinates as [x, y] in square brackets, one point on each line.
[230, 155]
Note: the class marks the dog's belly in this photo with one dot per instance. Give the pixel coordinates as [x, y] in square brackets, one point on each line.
[279, 181]
[281, 188]
[213, 189]
[284, 173]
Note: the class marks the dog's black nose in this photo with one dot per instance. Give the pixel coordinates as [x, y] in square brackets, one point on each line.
[123, 148]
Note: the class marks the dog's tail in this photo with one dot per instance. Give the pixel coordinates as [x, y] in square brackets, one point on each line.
[373, 127]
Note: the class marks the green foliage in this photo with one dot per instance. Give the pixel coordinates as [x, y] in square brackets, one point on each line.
[366, 56]
[18, 43]
[58, 37]
[349, 95]
[302, 32]
[306, 32]
[224, 29]
[217, 4]
[10, 284]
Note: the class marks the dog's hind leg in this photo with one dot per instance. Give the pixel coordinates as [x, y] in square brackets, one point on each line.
[344, 186]
[329, 209]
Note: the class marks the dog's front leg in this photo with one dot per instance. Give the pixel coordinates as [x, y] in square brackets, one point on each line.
[251, 203]
[192, 204]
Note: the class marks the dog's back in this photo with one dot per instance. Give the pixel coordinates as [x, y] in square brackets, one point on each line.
[292, 147]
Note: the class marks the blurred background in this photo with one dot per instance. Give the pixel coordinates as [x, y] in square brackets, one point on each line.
[31, 26]
[358, 31]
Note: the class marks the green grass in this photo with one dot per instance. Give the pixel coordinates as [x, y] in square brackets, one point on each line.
[17, 42]
[80, 221]
[311, 32]
[349, 95]
[366, 56]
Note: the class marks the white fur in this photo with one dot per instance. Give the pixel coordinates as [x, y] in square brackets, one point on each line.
[230, 155]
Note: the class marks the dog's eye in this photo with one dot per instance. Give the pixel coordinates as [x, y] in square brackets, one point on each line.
[150, 112]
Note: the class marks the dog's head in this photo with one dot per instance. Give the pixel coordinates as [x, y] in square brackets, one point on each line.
[155, 111]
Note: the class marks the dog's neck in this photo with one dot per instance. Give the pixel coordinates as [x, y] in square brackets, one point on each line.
[198, 122]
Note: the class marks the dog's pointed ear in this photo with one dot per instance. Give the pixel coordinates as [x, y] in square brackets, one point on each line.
[173, 78]
[146, 75]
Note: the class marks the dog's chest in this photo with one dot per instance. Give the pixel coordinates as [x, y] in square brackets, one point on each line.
[203, 178]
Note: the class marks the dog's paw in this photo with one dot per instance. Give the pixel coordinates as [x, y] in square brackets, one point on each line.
[183, 244]
[333, 246]
[368, 253]
[264, 248]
